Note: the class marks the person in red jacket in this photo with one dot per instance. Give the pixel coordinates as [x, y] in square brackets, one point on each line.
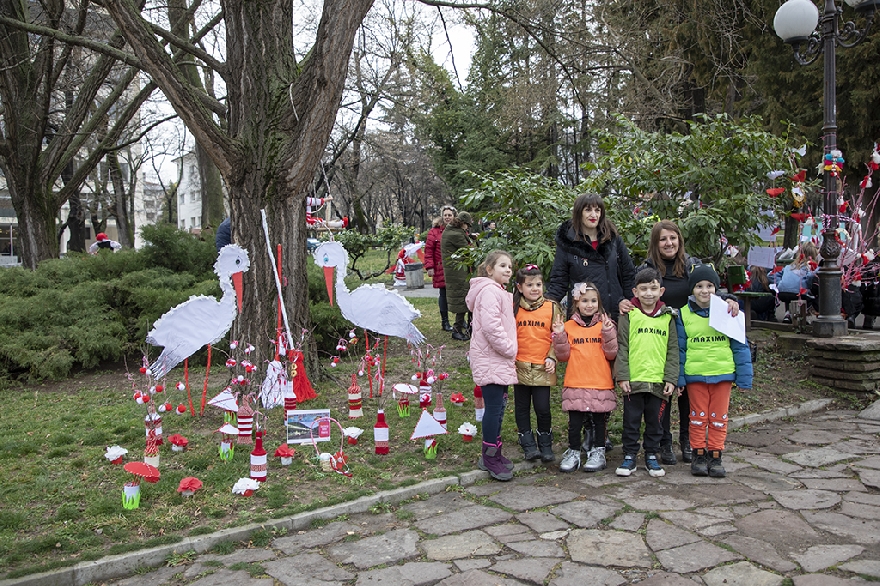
[434, 260]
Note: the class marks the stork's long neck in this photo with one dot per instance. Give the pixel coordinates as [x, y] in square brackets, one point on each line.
[342, 292]
[228, 297]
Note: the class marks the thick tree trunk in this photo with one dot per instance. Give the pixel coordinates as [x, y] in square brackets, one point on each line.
[213, 211]
[76, 224]
[36, 226]
[124, 226]
[279, 120]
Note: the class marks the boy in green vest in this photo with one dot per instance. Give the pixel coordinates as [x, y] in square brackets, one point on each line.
[647, 370]
[710, 364]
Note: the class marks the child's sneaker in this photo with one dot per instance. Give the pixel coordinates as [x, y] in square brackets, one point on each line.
[627, 467]
[653, 466]
[571, 461]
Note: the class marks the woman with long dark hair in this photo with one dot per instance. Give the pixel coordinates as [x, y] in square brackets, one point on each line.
[589, 249]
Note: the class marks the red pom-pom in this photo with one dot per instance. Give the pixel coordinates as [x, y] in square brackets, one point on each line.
[181, 409]
[159, 388]
[143, 369]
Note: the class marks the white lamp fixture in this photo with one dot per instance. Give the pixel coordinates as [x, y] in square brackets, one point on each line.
[796, 20]
[863, 5]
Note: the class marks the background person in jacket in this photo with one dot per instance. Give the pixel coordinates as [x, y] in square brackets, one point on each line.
[456, 235]
[796, 279]
[434, 261]
[647, 370]
[588, 342]
[666, 253]
[535, 362]
[588, 248]
[709, 364]
[493, 353]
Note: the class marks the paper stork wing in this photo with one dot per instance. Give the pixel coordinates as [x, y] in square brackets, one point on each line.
[225, 400]
[427, 427]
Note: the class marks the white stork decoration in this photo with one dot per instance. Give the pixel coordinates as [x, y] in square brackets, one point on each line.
[201, 320]
[371, 307]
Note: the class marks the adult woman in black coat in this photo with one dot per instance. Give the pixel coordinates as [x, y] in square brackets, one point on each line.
[589, 248]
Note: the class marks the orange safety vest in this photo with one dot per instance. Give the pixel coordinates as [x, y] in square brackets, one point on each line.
[533, 333]
[587, 366]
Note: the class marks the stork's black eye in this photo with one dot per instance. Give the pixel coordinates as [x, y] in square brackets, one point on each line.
[238, 261]
[326, 258]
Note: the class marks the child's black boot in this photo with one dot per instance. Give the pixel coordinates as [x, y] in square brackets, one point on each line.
[530, 448]
[687, 454]
[700, 464]
[545, 442]
[716, 470]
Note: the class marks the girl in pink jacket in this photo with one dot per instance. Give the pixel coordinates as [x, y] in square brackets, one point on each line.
[493, 353]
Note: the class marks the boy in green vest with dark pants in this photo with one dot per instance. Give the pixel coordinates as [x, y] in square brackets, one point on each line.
[647, 370]
[710, 364]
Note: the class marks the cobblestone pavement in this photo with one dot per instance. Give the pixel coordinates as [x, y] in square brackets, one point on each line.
[800, 505]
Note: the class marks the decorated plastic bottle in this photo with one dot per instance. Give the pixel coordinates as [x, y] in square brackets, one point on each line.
[439, 410]
[403, 405]
[380, 433]
[259, 459]
[355, 401]
[245, 422]
[479, 405]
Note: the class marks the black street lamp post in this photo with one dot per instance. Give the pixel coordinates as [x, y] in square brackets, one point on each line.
[795, 23]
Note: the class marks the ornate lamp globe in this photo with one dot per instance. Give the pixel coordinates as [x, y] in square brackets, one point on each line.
[797, 19]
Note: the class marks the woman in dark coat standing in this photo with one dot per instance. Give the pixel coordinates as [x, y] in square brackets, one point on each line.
[456, 236]
[434, 261]
[588, 248]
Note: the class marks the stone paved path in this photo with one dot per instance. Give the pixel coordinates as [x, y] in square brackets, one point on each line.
[800, 505]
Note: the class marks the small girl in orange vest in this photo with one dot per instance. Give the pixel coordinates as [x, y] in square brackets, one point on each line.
[535, 362]
[588, 342]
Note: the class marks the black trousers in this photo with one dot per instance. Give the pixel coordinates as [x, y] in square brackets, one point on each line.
[684, 409]
[444, 308]
[636, 407]
[523, 398]
[586, 420]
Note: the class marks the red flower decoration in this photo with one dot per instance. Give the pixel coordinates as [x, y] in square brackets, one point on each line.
[775, 191]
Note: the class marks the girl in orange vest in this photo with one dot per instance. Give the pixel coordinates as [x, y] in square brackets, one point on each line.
[535, 362]
[588, 342]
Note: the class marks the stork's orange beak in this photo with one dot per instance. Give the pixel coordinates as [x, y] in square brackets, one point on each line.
[236, 283]
[328, 280]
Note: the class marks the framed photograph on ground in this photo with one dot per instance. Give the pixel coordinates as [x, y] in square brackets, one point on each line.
[304, 425]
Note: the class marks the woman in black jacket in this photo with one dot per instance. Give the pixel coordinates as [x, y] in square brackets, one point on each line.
[589, 248]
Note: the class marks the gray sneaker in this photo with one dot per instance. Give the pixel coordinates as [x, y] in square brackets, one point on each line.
[571, 460]
[595, 460]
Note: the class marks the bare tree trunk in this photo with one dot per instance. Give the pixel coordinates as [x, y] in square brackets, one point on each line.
[124, 227]
[213, 211]
[76, 224]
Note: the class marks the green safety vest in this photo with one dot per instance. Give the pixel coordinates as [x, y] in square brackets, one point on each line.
[708, 350]
[648, 343]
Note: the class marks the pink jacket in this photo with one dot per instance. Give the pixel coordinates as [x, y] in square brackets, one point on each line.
[493, 341]
[587, 400]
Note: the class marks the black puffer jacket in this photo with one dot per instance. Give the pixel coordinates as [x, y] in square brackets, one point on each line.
[609, 267]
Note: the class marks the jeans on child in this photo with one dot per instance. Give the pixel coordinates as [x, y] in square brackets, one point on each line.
[495, 397]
